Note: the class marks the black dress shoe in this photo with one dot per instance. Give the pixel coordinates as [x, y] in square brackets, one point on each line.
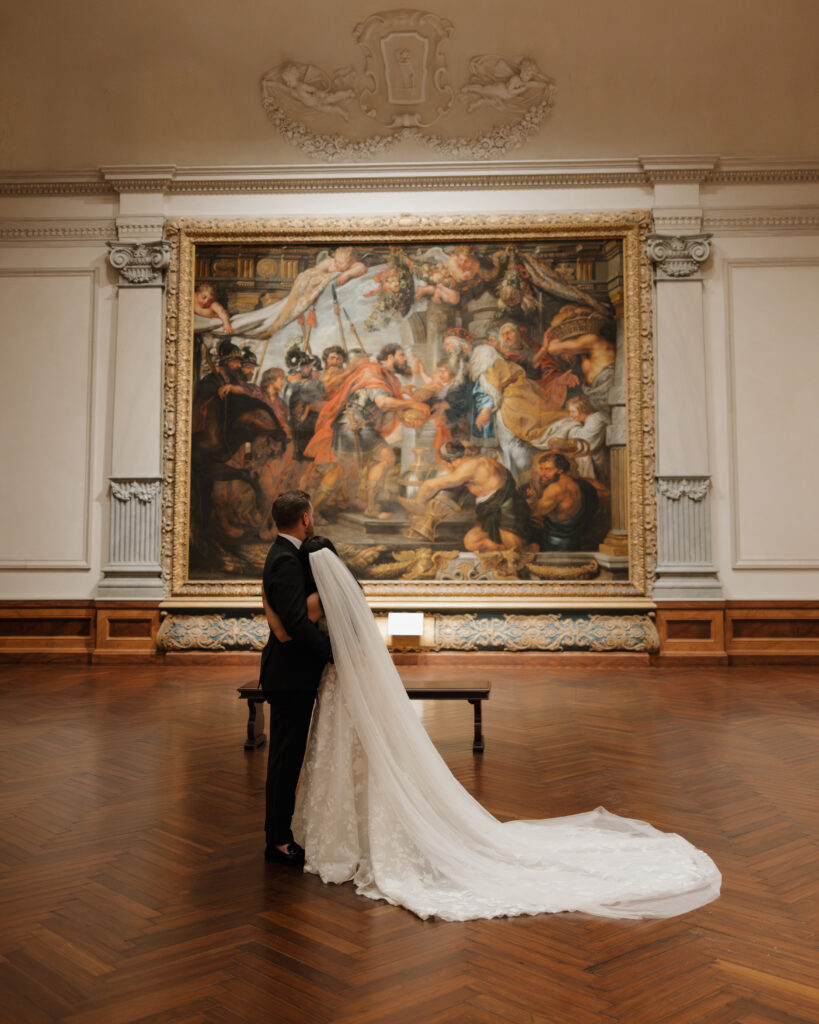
[293, 855]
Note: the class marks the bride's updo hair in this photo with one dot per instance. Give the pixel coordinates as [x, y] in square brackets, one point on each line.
[316, 544]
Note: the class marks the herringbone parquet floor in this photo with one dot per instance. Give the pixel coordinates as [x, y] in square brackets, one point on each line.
[132, 886]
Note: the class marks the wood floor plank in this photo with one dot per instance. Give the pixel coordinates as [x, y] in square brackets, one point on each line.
[133, 890]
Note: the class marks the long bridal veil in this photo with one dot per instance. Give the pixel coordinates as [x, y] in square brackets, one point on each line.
[378, 806]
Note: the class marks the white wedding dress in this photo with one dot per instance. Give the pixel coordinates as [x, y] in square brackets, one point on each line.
[378, 806]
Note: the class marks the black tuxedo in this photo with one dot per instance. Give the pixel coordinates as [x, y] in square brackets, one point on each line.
[295, 666]
[289, 676]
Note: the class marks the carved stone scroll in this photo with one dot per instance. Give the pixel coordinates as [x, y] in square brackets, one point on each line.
[678, 257]
[140, 264]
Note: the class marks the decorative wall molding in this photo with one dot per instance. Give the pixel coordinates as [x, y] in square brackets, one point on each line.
[408, 177]
[215, 632]
[741, 559]
[134, 537]
[140, 264]
[471, 632]
[675, 487]
[81, 507]
[761, 220]
[559, 632]
[143, 491]
[140, 229]
[139, 177]
[404, 90]
[684, 565]
[677, 220]
[678, 257]
[40, 229]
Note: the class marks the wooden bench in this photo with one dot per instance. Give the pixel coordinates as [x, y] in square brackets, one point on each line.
[475, 693]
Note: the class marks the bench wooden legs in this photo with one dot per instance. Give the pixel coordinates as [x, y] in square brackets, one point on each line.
[255, 725]
[256, 735]
[477, 743]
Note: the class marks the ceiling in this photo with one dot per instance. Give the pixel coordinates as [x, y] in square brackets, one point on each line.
[93, 82]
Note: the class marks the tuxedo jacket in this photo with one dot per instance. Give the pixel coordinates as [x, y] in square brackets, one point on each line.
[296, 665]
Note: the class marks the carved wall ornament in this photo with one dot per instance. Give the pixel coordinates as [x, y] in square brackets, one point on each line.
[403, 90]
[405, 68]
[183, 631]
[134, 532]
[675, 487]
[212, 633]
[140, 263]
[676, 257]
[140, 490]
[557, 632]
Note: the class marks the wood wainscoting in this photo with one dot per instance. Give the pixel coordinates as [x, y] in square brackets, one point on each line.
[85, 631]
[710, 632]
[733, 632]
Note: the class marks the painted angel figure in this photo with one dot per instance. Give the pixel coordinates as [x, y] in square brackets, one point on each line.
[447, 274]
[499, 83]
[338, 266]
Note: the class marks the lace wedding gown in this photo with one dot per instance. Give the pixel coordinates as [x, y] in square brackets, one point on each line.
[378, 806]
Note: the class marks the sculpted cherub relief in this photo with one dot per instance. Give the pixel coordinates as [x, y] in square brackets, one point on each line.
[500, 83]
[404, 88]
[311, 87]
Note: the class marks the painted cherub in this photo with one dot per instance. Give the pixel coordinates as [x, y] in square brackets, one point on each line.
[343, 261]
[450, 278]
[205, 304]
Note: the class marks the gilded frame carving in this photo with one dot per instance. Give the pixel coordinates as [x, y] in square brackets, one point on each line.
[630, 228]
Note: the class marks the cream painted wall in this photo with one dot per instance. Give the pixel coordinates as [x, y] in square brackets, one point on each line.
[55, 422]
[773, 310]
[91, 82]
[69, 294]
[762, 352]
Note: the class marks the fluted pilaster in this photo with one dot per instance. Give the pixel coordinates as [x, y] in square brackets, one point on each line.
[133, 567]
[685, 568]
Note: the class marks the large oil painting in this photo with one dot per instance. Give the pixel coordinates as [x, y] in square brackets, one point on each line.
[465, 402]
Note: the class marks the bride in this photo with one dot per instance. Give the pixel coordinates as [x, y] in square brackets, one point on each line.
[378, 806]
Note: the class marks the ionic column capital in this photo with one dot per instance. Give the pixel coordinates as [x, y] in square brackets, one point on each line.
[140, 264]
[678, 257]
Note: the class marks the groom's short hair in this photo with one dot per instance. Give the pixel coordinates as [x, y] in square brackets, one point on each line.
[289, 507]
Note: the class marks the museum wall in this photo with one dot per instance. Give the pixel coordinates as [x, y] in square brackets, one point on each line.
[119, 119]
[754, 424]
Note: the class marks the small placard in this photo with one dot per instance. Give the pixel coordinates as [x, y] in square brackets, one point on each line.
[405, 623]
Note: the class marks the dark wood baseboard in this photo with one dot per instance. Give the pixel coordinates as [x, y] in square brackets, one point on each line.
[78, 631]
[691, 632]
[738, 632]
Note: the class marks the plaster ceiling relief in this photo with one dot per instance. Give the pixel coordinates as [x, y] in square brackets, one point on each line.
[405, 91]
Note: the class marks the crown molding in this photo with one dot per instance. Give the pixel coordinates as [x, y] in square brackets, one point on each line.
[42, 229]
[400, 177]
[760, 220]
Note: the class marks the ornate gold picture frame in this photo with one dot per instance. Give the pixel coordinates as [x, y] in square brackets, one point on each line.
[468, 399]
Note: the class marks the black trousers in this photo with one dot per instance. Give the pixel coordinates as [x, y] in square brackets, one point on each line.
[290, 715]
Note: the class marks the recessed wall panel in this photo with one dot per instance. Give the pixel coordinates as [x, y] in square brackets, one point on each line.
[46, 347]
[773, 373]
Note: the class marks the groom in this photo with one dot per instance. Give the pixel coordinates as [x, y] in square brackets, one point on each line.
[290, 671]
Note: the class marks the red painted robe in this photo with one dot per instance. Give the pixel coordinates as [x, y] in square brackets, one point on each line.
[368, 375]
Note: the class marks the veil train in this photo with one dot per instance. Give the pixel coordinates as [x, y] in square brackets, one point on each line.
[378, 806]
